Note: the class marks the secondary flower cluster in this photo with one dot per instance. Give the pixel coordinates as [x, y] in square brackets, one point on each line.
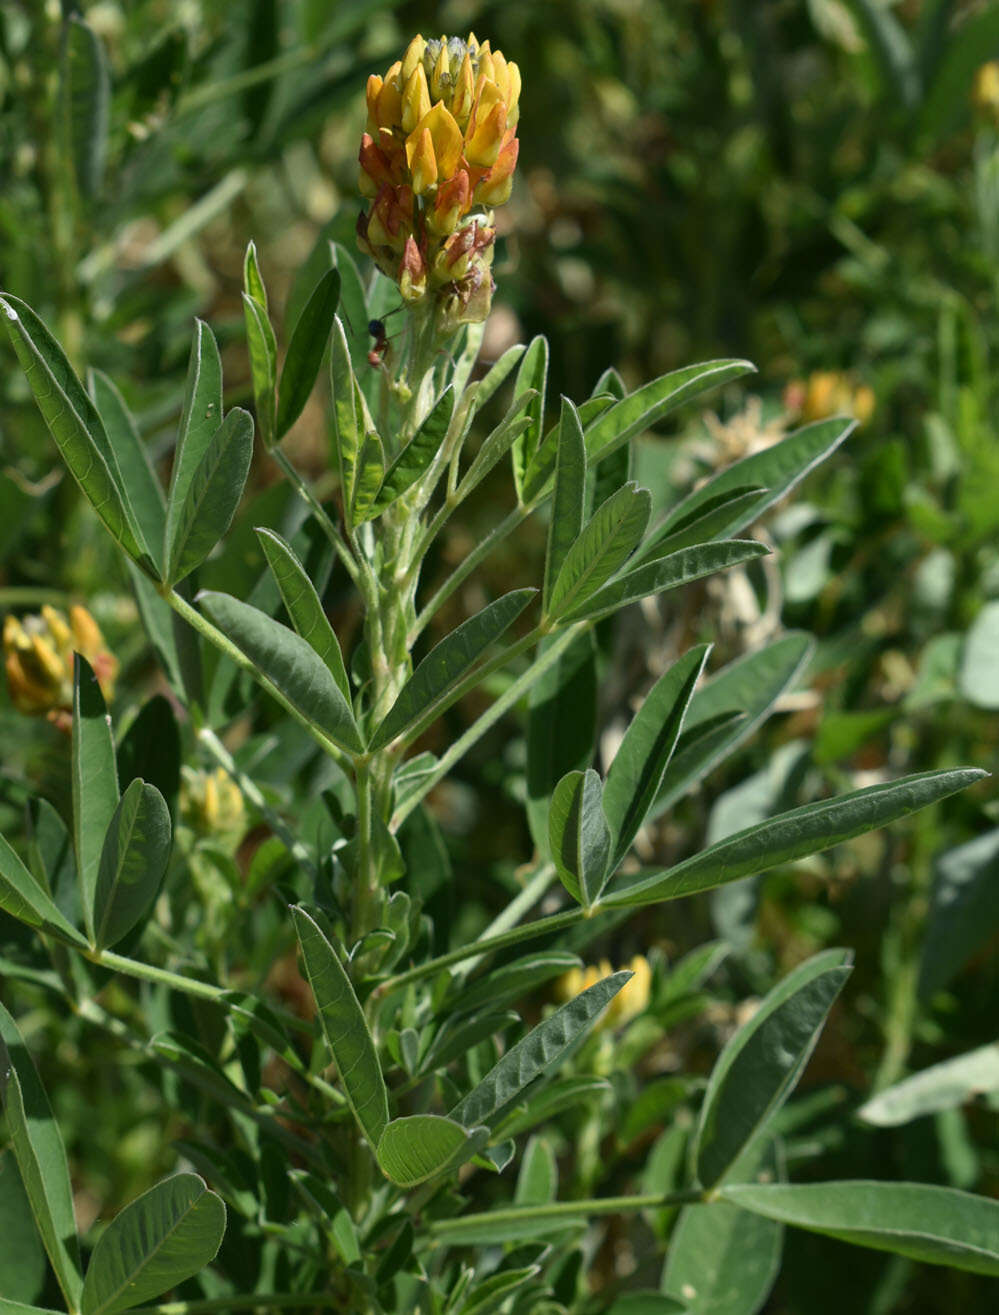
[438, 155]
[630, 1001]
[38, 655]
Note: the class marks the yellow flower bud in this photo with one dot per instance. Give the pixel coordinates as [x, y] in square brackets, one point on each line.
[412, 59]
[38, 654]
[422, 162]
[212, 804]
[415, 99]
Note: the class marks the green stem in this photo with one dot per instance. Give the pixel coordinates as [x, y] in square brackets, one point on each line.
[215, 636]
[488, 719]
[461, 573]
[541, 927]
[607, 1205]
[148, 972]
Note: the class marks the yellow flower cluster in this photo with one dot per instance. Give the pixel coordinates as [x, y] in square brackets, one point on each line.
[211, 803]
[38, 655]
[827, 393]
[438, 155]
[630, 1001]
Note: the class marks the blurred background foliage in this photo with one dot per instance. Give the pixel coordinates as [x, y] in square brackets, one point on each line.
[812, 184]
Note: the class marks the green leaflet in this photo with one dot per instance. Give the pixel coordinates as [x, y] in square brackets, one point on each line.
[578, 835]
[415, 458]
[665, 573]
[345, 1028]
[419, 1147]
[728, 1259]
[133, 860]
[704, 523]
[761, 1064]
[643, 755]
[749, 686]
[795, 834]
[561, 725]
[497, 443]
[622, 420]
[532, 375]
[75, 425]
[305, 351]
[567, 500]
[496, 375]
[936, 1225]
[306, 611]
[95, 783]
[84, 106]
[263, 365]
[367, 479]
[142, 490]
[777, 469]
[512, 981]
[601, 549]
[351, 421]
[942, 1086]
[199, 421]
[165, 1236]
[253, 283]
[437, 681]
[25, 1269]
[41, 1157]
[537, 1182]
[23, 898]
[537, 1053]
[287, 666]
[211, 496]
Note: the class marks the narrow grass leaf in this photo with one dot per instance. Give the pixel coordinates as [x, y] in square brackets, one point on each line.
[133, 860]
[287, 666]
[305, 351]
[419, 1147]
[304, 607]
[796, 834]
[762, 1062]
[578, 835]
[935, 1225]
[212, 495]
[415, 458]
[567, 500]
[601, 549]
[665, 573]
[432, 686]
[95, 782]
[141, 488]
[167, 1235]
[644, 753]
[539, 1052]
[74, 423]
[345, 1028]
[41, 1158]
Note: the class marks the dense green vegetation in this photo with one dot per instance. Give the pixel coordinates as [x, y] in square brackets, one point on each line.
[811, 187]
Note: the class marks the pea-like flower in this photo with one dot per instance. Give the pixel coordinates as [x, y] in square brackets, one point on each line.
[438, 156]
[38, 655]
[212, 804]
